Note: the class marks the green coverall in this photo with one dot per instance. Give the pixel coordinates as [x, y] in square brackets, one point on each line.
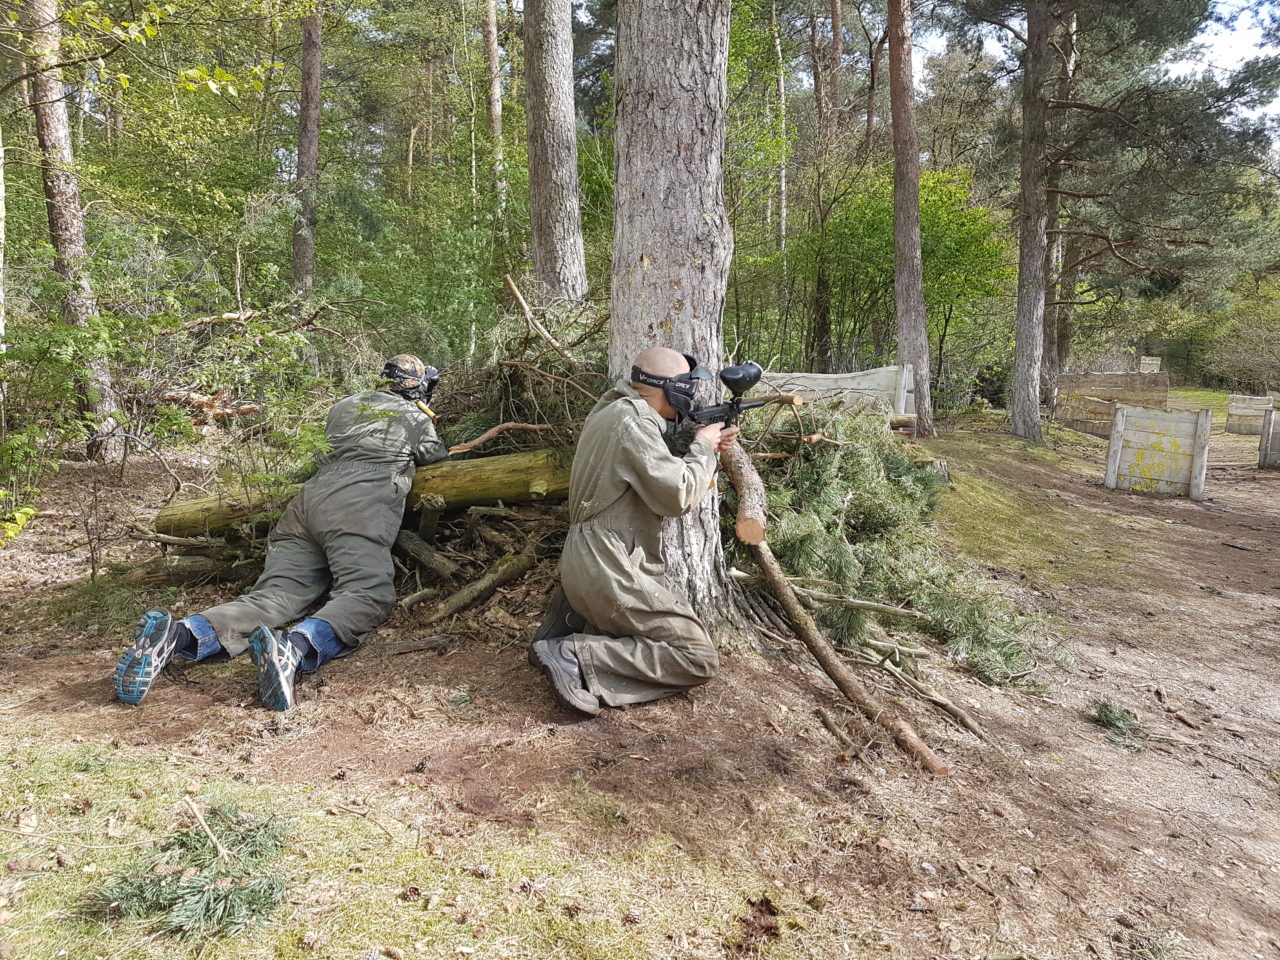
[336, 534]
[635, 636]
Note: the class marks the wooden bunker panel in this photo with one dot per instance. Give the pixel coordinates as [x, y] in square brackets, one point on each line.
[641, 640]
[336, 534]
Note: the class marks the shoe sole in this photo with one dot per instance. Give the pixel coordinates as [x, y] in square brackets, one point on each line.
[271, 685]
[140, 665]
[561, 695]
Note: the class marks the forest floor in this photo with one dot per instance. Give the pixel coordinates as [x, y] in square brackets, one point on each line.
[440, 804]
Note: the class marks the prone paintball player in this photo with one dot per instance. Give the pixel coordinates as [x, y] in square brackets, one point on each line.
[335, 535]
[616, 631]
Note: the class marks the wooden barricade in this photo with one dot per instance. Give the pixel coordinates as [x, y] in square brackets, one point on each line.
[1244, 413]
[1269, 442]
[1087, 415]
[1159, 451]
[1142, 389]
[893, 388]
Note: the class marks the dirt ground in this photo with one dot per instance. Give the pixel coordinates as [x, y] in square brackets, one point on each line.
[1051, 843]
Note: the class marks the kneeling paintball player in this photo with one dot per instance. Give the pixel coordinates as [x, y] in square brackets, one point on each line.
[616, 632]
[335, 535]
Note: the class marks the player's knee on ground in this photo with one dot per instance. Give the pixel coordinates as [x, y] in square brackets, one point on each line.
[703, 661]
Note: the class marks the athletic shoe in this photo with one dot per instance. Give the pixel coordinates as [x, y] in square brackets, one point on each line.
[154, 644]
[277, 661]
[565, 673]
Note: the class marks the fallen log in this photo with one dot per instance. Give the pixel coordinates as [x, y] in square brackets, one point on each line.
[510, 567]
[806, 628]
[190, 569]
[513, 478]
[427, 557]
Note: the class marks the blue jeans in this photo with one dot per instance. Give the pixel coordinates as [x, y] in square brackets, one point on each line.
[314, 639]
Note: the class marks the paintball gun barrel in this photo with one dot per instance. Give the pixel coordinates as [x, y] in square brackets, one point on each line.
[739, 379]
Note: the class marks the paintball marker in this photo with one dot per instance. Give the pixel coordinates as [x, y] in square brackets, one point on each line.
[739, 379]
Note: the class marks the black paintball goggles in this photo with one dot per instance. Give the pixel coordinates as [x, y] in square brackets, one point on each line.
[680, 389]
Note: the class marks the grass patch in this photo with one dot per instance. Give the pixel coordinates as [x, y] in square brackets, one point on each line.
[1123, 728]
[1201, 400]
[108, 607]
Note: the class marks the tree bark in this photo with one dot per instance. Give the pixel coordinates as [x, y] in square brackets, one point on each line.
[4, 344]
[1056, 284]
[308, 172]
[97, 397]
[1024, 390]
[672, 242]
[555, 218]
[908, 275]
[782, 130]
[494, 64]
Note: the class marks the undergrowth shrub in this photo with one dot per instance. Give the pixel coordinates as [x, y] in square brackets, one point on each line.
[850, 514]
[189, 887]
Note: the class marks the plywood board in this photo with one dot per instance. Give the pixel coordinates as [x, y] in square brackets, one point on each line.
[889, 388]
[1269, 442]
[1148, 389]
[1244, 413]
[1149, 365]
[1159, 451]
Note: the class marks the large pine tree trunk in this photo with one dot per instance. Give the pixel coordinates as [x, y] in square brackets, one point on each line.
[1024, 391]
[304, 224]
[672, 243]
[494, 64]
[1059, 287]
[908, 276]
[555, 218]
[66, 217]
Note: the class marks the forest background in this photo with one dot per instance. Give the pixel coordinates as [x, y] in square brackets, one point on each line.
[274, 195]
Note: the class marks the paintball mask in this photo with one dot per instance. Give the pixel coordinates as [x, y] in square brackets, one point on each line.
[679, 390]
[410, 377]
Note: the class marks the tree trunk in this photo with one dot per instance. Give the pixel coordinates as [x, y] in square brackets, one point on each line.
[304, 224]
[672, 243]
[494, 64]
[1058, 288]
[4, 344]
[908, 275]
[1024, 390]
[66, 218]
[555, 218]
[782, 130]
[835, 105]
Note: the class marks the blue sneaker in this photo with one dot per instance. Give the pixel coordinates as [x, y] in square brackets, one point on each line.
[277, 661]
[154, 644]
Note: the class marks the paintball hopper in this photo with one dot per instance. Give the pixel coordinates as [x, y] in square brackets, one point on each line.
[741, 377]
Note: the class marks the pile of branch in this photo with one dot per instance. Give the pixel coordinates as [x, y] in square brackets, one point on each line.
[210, 408]
[750, 528]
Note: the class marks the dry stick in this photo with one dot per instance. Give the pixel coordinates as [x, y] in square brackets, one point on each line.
[500, 428]
[885, 609]
[429, 558]
[833, 728]
[806, 628]
[938, 700]
[510, 567]
[537, 327]
[223, 852]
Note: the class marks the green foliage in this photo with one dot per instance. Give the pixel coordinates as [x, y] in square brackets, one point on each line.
[1123, 728]
[852, 517]
[189, 887]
